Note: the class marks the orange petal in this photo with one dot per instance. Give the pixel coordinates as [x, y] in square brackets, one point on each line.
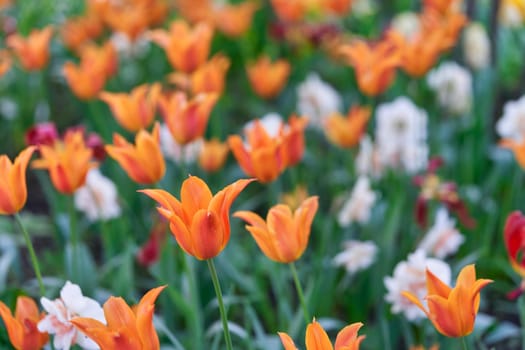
[316, 337]
[144, 313]
[287, 341]
[207, 234]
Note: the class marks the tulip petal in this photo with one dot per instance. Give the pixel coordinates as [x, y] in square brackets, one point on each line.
[347, 338]
[14, 328]
[144, 314]
[207, 234]
[195, 195]
[166, 200]
[287, 341]
[316, 337]
[118, 313]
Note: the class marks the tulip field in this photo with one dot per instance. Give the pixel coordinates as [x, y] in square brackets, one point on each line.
[262, 174]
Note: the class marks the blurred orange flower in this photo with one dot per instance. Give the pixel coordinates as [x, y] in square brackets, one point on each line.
[290, 10]
[375, 64]
[187, 48]
[75, 32]
[187, 119]
[210, 77]
[13, 187]
[266, 78]
[195, 10]
[213, 155]
[127, 328]
[143, 162]
[68, 161]
[5, 62]
[317, 339]
[33, 51]
[293, 139]
[346, 131]
[452, 310]
[518, 148]
[442, 6]
[284, 236]
[295, 198]
[235, 20]
[339, 7]
[199, 221]
[447, 27]
[134, 110]
[22, 328]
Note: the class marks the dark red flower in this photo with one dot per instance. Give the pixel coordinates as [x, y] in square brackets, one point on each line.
[41, 134]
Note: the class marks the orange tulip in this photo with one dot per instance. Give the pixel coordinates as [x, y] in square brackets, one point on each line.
[518, 148]
[452, 310]
[284, 236]
[293, 139]
[213, 155]
[75, 32]
[13, 188]
[339, 7]
[447, 27]
[33, 51]
[317, 339]
[195, 10]
[186, 48]
[127, 328]
[187, 119]
[22, 328]
[266, 78]
[295, 198]
[235, 20]
[199, 221]
[143, 162]
[210, 76]
[105, 55]
[375, 65]
[442, 6]
[5, 62]
[347, 131]
[68, 161]
[290, 10]
[136, 110]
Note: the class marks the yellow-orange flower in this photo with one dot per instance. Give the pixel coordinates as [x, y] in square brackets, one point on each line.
[187, 119]
[518, 148]
[210, 76]
[199, 221]
[136, 110]
[266, 78]
[452, 310]
[213, 155]
[375, 64]
[13, 187]
[127, 328]
[22, 327]
[347, 131]
[33, 51]
[186, 48]
[295, 198]
[195, 10]
[143, 162]
[317, 339]
[442, 6]
[290, 10]
[75, 32]
[235, 20]
[293, 139]
[284, 236]
[68, 161]
[339, 7]
[447, 27]
[5, 62]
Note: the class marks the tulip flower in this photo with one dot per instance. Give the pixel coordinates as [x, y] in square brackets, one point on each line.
[75, 32]
[293, 139]
[518, 148]
[284, 236]
[136, 110]
[235, 20]
[22, 327]
[452, 310]
[199, 221]
[290, 10]
[317, 339]
[68, 161]
[143, 162]
[195, 10]
[33, 51]
[347, 131]
[13, 188]
[441, 6]
[213, 155]
[186, 48]
[209, 78]
[268, 78]
[514, 236]
[187, 119]
[127, 328]
[5, 62]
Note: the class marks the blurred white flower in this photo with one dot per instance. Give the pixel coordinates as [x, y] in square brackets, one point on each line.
[317, 100]
[476, 46]
[177, 152]
[406, 23]
[60, 311]
[8, 108]
[443, 238]
[362, 8]
[511, 14]
[98, 198]
[512, 124]
[356, 255]
[410, 276]
[367, 161]
[401, 135]
[453, 86]
[130, 48]
[359, 204]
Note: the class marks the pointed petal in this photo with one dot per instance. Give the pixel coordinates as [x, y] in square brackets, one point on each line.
[316, 337]
[195, 195]
[144, 313]
[208, 234]
[347, 338]
[287, 341]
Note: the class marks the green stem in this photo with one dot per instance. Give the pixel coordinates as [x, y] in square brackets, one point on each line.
[464, 343]
[32, 254]
[73, 237]
[300, 293]
[217, 286]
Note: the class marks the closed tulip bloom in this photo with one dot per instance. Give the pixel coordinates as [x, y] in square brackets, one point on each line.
[317, 339]
[514, 236]
[127, 328]
[268, 78]
[213, 155]
[22, 327]
[187, 119]
[33, 51]
[136, 110]
[346, 131]
[235, 19]
[199, 221]
[293, 139]
[284, 236]
[209, 78]
[13, 188]
[452, 310]
[68, 161]
[143, 162]
[187, 48]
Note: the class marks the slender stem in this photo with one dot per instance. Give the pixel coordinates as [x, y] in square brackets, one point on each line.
[217, 286]
[464, 343]
[73, 237]
[32, 254]
[300, 293]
